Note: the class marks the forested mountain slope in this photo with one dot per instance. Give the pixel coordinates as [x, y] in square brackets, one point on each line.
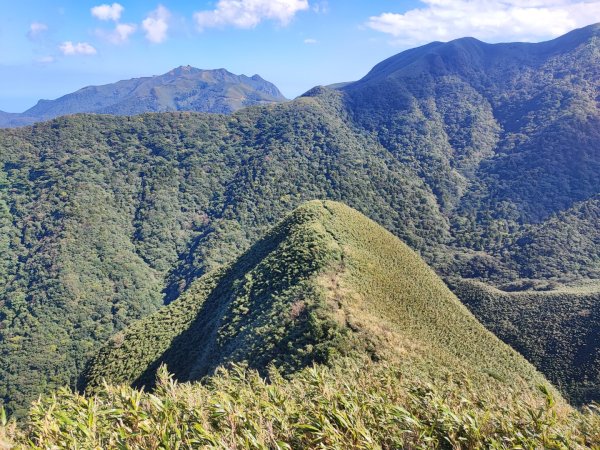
[103, 213]
[558, 330]
[503, 133]
[566, 243]
[361, 344]
[475, 155]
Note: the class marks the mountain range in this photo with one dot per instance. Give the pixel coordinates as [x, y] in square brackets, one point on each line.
[184, 88]
[482, 158]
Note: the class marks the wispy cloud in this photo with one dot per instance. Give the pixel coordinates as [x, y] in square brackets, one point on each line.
[311, 41]
[156, 25]
[36, 29]
[108, 12]
[249, 13]
[486, 19]
[321, 7]
[69, 48]
[119, 35]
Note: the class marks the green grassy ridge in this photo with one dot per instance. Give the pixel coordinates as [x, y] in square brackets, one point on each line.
[355, 404]
[324, 283]
[557, 330]
[244, 311]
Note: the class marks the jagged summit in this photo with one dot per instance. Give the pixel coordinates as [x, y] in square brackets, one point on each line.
[184, 88]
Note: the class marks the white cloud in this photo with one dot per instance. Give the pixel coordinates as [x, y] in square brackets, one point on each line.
[36, 29]
[119, 35]
[68, 48]
[311, 41]
[492, 20]
[108, 12]
[156, 24]
[249, 13]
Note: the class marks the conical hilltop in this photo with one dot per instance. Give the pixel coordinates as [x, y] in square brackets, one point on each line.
[324, 283]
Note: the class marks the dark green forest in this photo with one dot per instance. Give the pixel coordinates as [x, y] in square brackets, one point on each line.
[483, 158]
[557, 330]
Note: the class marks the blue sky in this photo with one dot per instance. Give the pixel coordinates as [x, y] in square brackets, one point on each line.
[48, 49]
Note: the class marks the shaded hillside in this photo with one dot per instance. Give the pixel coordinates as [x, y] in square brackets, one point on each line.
[556, 330]
[182, 89]
[504, 134]
[324, 283]
[566, 243]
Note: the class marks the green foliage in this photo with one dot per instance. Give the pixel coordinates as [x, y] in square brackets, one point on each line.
[566, 243]
[261, 309]
[482, 158]
[557, 330]
[504, 135]
[110, 212]
[326, 282]
[353, 405]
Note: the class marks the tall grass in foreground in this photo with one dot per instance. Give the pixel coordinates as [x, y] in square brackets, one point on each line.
[351, 406]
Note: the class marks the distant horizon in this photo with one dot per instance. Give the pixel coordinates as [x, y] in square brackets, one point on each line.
[49, 51]
[145, 76]
[253, 74]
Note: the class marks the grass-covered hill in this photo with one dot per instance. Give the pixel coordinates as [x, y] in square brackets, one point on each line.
[103, 219]
[374, 350]
[184, 88]
[324, 283]
[558, 330]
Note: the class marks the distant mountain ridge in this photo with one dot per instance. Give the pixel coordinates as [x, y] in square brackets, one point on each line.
[466, 113]
[184, 88]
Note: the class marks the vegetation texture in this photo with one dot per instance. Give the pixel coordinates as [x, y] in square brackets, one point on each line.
[483, 158]
[354, 405]
[557, 330]
[407, 366]
[325, 282]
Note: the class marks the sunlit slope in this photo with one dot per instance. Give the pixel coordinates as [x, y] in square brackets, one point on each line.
[326, 282]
